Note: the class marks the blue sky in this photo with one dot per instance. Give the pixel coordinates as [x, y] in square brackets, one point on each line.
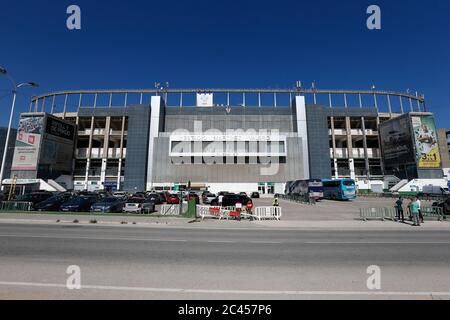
[132, 44]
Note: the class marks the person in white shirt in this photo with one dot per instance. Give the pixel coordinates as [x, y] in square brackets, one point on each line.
[220, 200]
[422, 220]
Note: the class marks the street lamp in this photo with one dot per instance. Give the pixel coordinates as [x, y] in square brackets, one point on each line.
[16, 86]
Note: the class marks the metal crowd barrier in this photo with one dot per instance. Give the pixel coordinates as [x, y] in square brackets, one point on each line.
[16, 206]
[391, 213]
[260, 213]
[378, 214]
[173, 209]
[268, 213]
[299, 199]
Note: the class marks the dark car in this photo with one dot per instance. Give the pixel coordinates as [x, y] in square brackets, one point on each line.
[108, 205]
[34, 197]
[163, 196]
[148, 206]
[244, 199]
[79, 204]
[54, 203]
[255, 195]
[138, 205]
[228, 200]
[155, 197]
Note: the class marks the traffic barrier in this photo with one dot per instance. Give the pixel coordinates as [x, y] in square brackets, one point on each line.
[300, 199]
[268, 213]
[378, 214]
[209, 212]
[433, 212]
[16, 206]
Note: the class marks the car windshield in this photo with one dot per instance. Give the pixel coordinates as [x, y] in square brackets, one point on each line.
[348, 183]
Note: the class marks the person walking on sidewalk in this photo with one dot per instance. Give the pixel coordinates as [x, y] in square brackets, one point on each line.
[422, 220]
[414, 208]
[400, 211]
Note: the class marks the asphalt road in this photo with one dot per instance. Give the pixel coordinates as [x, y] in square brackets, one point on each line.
[181, 263]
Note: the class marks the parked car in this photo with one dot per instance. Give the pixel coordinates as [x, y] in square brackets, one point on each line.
[228, 200]
[173, 199]
[120, 195]
[255, 195]
[138, 196]
[139, 206]
[245, 199]
[34, 197]
[108, 205]
[163, 196]
[155, 197]
[148, 206]
[207, 198]
[79, 204]
[445, 205]
[54, 203]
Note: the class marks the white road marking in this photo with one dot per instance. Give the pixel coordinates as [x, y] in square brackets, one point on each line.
[238, 292]
[378, 242]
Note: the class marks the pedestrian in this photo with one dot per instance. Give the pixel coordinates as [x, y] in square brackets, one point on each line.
[220, 200]
[400, 212]
[422, 220]
[414, 208]
[276, 203]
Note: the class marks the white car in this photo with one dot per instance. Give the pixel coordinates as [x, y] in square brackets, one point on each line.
[208, 198]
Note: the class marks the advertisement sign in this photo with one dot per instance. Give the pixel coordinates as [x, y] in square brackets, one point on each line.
[57, 146]
[427, 147]
[28, 141]
[397, 142]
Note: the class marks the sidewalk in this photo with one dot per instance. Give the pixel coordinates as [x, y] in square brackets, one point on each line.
[145, 221]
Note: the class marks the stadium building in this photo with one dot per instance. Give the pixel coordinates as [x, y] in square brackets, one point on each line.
[221, 139]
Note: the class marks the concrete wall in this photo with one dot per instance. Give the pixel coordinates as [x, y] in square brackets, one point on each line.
[318, 135]
[281, 119]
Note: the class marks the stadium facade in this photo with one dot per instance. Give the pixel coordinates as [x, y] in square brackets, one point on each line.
[223, 139]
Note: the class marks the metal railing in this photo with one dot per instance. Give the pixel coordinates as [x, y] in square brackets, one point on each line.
[299, 199]
[72, 100]
[8, 206]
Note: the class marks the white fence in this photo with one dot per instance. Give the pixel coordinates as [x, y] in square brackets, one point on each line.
[268, 213]
[261, 213]
[173, 209]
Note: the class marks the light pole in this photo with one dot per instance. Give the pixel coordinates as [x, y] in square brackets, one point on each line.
[16, 86]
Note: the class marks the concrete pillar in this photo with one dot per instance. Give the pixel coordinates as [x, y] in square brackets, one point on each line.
[156, 124]
[122, 139]
[302, 131]
[105, 151]
[350, 147]
[89, 153]
[366, 154]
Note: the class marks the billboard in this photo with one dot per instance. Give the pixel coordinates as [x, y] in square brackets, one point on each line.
[426, 142]
[28, 142]
[57, 146]
[397, 142]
